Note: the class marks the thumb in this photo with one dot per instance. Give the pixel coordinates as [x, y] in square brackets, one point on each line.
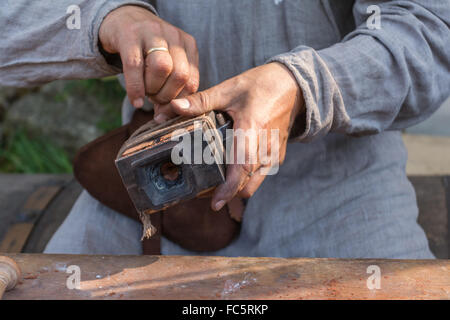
[201, 102]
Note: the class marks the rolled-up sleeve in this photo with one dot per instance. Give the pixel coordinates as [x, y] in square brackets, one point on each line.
[377, 79]
[37, 46]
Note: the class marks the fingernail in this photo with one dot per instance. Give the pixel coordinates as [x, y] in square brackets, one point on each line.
[182, 103]
[160, 118]
[219, 205]
[138, 103]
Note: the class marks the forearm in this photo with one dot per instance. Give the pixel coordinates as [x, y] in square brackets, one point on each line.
[381, 79]
[37, 46]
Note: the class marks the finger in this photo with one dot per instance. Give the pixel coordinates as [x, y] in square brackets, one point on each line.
[194, 74]
[219, 97]
[158, 66]
[242, 165]
[252, 185]
[133, 70]
[251, 163]
[235, 178]
[163, 113]
[177, 78]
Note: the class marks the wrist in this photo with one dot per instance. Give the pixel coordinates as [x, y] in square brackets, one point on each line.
[295, 96]
[114, 22]
[104, 32]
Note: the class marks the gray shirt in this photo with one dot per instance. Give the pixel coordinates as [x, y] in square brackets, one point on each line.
[356, 81]
[363, 82]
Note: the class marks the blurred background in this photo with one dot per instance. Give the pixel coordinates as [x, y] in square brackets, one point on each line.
[42, 128]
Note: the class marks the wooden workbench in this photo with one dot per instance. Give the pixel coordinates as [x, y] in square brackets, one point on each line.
[182, 277]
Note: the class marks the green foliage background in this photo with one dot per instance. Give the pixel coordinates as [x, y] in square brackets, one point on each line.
[24, 152]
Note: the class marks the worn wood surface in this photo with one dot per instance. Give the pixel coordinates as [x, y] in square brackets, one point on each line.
[183, 277]
[433, 200]
[15, 238]
[54, 216]
[427, 155]
[36, 203]
[15, 189]
[32, 207]
[9, 274]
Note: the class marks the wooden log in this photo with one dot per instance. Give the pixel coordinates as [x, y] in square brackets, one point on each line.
[9, 274]
[53, 217]
[427, 155]
[17, 235]
[185, 277]
[433, 200]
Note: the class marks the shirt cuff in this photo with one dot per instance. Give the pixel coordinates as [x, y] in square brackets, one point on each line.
[101, 61]
[324, 107]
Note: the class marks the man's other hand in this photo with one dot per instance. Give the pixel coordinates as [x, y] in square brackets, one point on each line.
[132, 31]
[259, 100]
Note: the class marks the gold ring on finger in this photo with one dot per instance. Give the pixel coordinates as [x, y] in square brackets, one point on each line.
[149, 51]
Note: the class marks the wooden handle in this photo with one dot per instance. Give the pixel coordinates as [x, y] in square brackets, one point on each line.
[9, 274]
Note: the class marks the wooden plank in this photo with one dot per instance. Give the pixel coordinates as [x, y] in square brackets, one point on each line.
[433, 212]
[54, 216]
[15, 190]
[40, 199]
[186, 277]
[16, 237]
[18, 233]
[447, 191]
[427, 155]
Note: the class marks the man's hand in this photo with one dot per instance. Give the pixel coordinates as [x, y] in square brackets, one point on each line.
[267, 97]
[131, 31]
